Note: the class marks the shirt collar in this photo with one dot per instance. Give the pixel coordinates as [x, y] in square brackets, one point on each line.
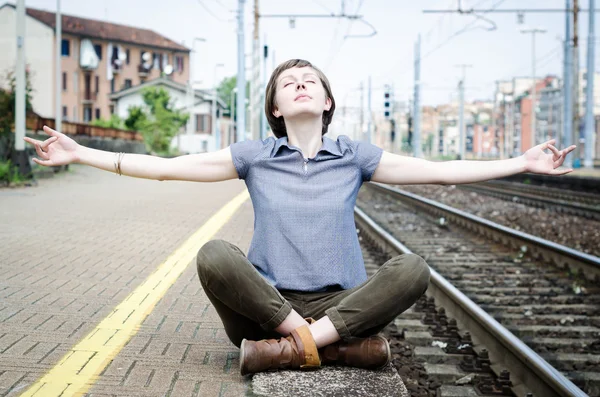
[329, 145]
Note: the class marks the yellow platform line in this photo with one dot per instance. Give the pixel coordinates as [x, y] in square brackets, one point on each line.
[77, 371]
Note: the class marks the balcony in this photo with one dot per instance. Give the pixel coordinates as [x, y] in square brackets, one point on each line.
[116, 68]
[143, 71]
[89, 98]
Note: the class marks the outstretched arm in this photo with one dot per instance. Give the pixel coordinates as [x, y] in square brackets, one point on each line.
[403, 170]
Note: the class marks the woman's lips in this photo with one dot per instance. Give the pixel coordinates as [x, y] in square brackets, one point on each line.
[302, 96]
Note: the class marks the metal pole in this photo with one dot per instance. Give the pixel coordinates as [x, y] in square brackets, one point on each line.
[254, 102]
[362, 112]
[589, 108]
[532, 114]
[58, 68]
[232, 112]
[461, 118]
[241, 76]
[567, 87]
[369, 113]
[576, 97]
[533, 92]
[417, 151]
[263, 115]
[506, 127]
[20, 78]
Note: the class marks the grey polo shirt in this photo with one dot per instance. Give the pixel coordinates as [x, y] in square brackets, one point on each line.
[304, 232]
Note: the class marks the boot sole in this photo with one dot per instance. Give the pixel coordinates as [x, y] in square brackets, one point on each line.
[242, 357]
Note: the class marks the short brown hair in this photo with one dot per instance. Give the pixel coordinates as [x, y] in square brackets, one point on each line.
[277, 124]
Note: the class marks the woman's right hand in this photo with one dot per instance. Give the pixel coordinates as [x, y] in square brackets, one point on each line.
[59, 149]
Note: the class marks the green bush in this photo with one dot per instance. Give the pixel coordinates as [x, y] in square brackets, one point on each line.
[9, 174]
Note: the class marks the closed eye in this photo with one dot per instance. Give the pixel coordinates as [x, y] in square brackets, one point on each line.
[310, 81]
[286, 84]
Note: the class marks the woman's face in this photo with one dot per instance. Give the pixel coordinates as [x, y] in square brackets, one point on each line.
[300, 93]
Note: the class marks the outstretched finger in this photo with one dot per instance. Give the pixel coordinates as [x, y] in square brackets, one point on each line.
[45, 163]
[40, 152]
[32, 141]
[51, 132]
[547, 143]
[48, 141]
[555, 151]
[561, 172]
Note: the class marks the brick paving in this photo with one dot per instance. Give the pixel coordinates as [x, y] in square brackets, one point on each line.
[76, 245]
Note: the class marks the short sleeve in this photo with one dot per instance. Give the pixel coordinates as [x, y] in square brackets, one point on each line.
[243, 153]
[367, 157]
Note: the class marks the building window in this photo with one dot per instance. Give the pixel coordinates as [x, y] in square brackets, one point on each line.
[98, 48]
[112, 109]
[97, 81]
[127, 56]
[64, 112]
[127, 83]
[87, 114]
[112, 85]
[155, 60]
[97, 113]
[203, 124]
[64, 81]
[178, 64]
[65, 47]
[75, 117]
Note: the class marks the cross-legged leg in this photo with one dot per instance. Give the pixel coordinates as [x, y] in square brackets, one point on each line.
[246, 303]
[368, 308]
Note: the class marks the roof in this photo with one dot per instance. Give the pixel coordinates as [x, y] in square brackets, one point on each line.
[199, 94]
[104, 30]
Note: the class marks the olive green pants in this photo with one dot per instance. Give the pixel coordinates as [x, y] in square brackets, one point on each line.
[251, 308]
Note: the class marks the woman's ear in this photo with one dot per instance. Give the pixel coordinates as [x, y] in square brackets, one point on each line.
[327, 104]
[276, 112]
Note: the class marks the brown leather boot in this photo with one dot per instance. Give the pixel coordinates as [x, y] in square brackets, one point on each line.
[372, 352]
[295, 351]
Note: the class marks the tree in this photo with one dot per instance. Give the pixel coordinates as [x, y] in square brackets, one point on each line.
[159, 122]
[7, 120]
[226, 87]
[7, 112]
[114, 122]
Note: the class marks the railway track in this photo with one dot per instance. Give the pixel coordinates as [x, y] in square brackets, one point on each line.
[582, 204]
[543, 294]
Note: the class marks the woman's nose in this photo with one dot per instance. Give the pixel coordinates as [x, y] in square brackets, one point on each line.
[300, 85]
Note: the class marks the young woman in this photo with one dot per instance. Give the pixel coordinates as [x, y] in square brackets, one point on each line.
[304, 261]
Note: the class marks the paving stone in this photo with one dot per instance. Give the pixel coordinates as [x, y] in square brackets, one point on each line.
[330, 382]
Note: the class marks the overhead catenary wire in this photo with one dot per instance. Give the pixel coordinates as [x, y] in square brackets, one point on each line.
[210, 12]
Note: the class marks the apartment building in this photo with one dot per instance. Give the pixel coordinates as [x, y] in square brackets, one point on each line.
[98, 58]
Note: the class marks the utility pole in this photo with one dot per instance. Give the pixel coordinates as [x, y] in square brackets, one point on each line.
[461, 117]
[575, 131]
[362, 111]
[216, 131]
[263, 117]
[58, 69]
[369, 113]
[255, 85]
[417, 150]
[589, 104]
[241, 77]
[567, 87]
[20, 79]
[533, 88]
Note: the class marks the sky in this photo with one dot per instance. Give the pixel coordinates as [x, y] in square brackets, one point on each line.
[387, 57]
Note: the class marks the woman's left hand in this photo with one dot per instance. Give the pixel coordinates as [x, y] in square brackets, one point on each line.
[539, 162]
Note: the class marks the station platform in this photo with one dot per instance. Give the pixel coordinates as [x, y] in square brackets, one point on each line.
[99, 294]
